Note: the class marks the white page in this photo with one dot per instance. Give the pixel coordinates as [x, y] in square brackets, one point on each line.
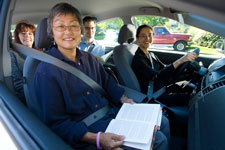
[139, 145]
[139, 112]
[136, 122]
[134, 131]
[159, 120]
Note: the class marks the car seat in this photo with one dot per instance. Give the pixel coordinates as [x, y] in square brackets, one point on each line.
[123, 55]
[42, 40]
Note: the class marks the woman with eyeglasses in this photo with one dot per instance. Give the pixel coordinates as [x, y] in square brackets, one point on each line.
[65, 100]
[148, 67]
[23, 34]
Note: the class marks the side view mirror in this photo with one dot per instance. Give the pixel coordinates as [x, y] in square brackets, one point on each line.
[220, 46]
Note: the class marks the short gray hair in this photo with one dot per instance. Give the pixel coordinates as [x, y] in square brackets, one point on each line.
[59, 9]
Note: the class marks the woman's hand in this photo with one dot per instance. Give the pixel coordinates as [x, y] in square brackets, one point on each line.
[110, 141]
[188, 57]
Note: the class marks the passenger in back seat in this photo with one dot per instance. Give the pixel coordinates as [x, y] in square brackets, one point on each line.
[88, 43]
[66, 101]
[23, 34]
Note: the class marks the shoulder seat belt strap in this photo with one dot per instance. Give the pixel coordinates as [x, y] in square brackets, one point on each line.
[56, 62]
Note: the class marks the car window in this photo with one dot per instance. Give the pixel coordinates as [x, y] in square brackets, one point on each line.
[160, 31]
[7, 142]
[172, 35]
[107, 32]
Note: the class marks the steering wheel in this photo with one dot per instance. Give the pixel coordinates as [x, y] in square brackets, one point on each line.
[181, 69]
[191, 66]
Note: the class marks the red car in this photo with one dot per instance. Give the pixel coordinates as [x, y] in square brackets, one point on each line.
[162, 36]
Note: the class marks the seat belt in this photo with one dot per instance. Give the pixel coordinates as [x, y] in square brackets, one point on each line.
[156, 94]
[56, 62]
[91, 47]
[92, 118]
[150, 93]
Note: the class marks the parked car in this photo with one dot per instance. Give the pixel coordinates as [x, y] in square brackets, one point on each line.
[162, 36]
[206, 109]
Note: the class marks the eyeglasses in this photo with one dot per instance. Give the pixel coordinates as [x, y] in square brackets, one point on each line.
[89, 28]
[62, 28]
[146, 36]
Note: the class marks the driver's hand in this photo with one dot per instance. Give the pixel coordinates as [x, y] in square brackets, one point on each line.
[190, 57]
[110, 141]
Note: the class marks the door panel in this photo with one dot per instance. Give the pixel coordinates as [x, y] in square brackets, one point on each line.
[38, 135]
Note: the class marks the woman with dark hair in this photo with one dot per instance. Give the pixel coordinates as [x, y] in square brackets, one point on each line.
[148, 67]
[23, 34]
[66, 101]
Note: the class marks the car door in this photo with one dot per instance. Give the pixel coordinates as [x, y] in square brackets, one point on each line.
[23, 130]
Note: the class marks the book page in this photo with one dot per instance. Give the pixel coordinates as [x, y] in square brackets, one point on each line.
[137, 122]
[139, 112]
[134, 131]
[148, 146]
[138, 145]
[159, 119]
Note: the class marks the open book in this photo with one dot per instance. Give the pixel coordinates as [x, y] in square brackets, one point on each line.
[138, 123]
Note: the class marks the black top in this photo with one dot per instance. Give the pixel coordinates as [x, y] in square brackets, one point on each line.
[17, 62]
[144, 71]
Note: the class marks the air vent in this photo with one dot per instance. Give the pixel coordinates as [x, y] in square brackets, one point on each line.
[213, 87]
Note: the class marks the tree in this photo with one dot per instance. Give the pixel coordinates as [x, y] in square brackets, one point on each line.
[208, 40]
[151, 20]
[115, 24]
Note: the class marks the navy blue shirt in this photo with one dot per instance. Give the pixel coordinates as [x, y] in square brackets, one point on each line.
[65, 100]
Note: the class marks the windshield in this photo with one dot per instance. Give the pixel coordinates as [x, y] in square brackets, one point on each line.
[172, 35]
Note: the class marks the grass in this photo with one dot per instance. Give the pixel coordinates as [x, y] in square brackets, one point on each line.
[205, 50]
[99, 37]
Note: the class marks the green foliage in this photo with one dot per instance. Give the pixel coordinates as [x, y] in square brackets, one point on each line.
[102, 27]
[199, 37]
[205, 50]
[99, 37]
[208, 40]
[151, 20]
[115, 24]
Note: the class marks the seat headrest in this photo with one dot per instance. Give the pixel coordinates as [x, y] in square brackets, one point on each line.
[42, 39]
[127, 34]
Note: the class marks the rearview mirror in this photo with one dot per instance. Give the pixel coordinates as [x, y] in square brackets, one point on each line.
[220, 46]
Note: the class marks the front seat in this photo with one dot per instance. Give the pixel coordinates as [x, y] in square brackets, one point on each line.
[42, 41]
[123, 55]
